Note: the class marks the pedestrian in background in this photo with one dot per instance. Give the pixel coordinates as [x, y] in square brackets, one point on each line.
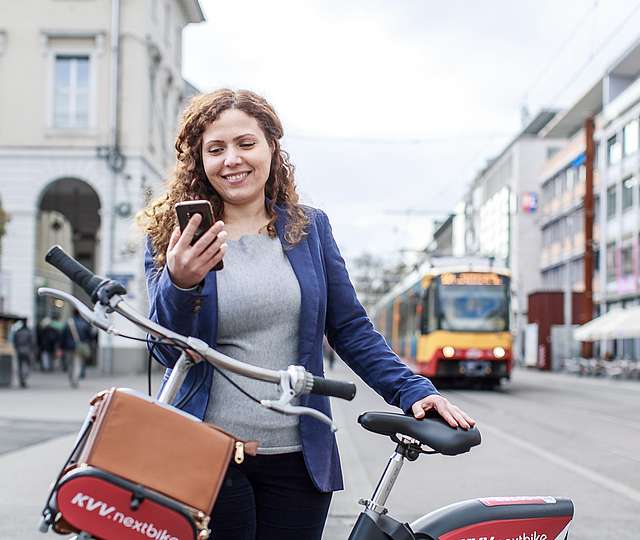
[76, 347]
[24, 346]
[329, 354]
[283, 286]
[48, 343]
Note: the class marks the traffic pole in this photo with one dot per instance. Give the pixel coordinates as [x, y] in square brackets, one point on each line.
[587, 300]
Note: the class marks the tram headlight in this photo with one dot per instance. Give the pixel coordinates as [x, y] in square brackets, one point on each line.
[499, 352]
[448, 351]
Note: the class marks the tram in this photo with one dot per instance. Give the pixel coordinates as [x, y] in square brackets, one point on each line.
[451, 322]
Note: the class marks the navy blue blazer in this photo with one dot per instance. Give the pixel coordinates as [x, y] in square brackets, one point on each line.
[328, 306]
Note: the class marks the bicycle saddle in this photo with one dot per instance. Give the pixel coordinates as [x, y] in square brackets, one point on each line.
[433, 432]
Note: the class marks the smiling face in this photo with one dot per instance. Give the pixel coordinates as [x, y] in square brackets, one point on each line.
[236, 158]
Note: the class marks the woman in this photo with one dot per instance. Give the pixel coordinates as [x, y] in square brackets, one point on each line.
[283, 287]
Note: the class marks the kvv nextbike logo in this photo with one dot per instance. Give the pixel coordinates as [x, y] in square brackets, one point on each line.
[109, 512]
[531, 536]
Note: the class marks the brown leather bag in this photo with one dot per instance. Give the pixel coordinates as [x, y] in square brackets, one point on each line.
[160, 447]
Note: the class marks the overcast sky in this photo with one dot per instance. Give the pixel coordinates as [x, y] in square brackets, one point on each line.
[395, 104]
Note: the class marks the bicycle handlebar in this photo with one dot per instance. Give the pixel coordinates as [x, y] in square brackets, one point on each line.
[330, 387]
[79, 274]
[106, 295]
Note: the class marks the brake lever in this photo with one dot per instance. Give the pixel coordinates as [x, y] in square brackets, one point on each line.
[292, 383]
[298, 410]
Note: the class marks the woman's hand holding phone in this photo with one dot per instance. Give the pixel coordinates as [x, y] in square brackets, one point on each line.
[189, 264]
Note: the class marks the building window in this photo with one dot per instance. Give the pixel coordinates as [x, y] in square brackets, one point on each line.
[152, 107]
[560, 182]
[571, 178]
[614, 151]
[71, 92]
[626, 259]
[627, 192]
[566, 227]
[547, 194]
[577, 271]
[178, 46]
[167, 22]
[611, 202]
[630, 137]
[611, 262]
[578, 221]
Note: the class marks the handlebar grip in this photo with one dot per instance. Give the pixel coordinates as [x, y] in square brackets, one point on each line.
[329, 387]
[76, 272]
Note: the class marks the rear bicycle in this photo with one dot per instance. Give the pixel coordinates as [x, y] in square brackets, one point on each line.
[492, 518]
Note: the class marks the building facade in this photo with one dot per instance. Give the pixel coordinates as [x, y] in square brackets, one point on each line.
[619, 220]
[614, 103]
[500, 216]
[562, 190]
[90, 96]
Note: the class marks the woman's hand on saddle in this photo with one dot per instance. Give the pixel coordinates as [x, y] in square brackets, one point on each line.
[188, 265]
[454, 416]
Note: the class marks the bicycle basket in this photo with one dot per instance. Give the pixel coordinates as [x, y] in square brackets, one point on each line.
[159, 447]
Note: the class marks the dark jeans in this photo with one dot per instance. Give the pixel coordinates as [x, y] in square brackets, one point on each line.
[269, 497]
[24, 366]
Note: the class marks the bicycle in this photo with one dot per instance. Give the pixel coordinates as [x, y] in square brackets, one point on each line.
[490, 518]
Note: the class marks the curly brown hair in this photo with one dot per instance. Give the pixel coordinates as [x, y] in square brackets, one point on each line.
[189, 182]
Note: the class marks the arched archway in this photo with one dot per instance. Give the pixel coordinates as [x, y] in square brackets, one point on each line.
[68, 215]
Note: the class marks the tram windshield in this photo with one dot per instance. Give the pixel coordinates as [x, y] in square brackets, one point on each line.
[474, 308]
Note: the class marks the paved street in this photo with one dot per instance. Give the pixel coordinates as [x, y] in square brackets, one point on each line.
[543, 433]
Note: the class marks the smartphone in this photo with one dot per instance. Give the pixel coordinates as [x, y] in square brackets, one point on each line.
[185, 210]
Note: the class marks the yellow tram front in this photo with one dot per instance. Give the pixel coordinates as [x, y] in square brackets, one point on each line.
[452, 324]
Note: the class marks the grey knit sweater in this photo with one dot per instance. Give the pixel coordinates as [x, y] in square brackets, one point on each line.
[258, 319]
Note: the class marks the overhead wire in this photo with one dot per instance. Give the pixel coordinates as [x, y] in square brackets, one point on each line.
[554, 58]
[595, 53]
[395, 140]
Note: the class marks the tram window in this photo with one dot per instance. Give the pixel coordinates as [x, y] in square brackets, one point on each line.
[424, 322]
[412, 325]
[388, 327]
[402, 326]
[428, 323]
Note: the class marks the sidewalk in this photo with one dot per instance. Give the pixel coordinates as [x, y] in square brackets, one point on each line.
[38, 427]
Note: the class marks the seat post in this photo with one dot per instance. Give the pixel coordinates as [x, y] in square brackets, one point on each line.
[386, 483]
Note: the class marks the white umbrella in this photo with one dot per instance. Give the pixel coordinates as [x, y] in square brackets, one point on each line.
[628, 326]
[601, 327]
